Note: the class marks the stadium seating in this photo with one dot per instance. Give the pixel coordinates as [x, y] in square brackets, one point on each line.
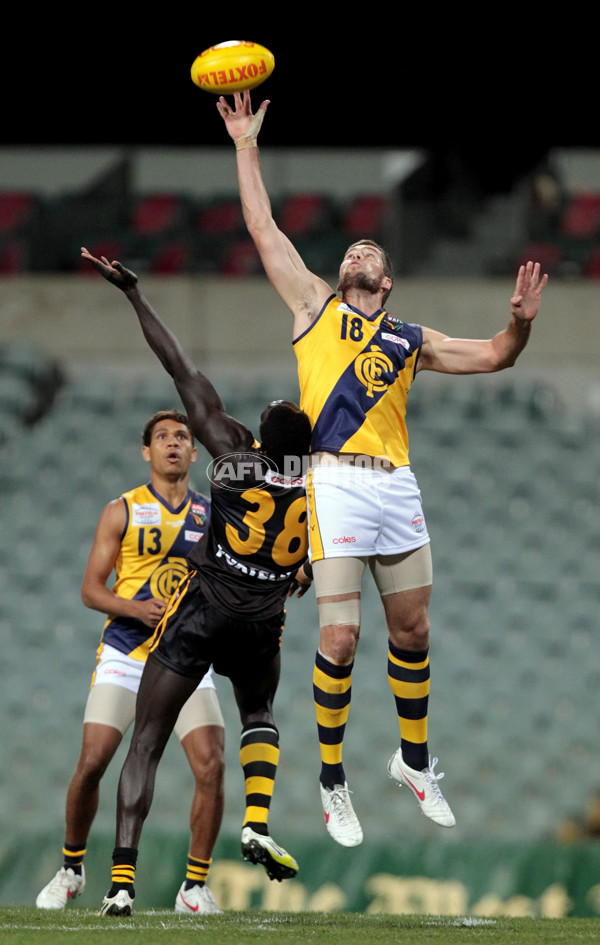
[365, 216]
[158, 214]
[16, 208]
[239, 259]
[170, 258]
[305, 214]
[581, 216]
[515, 665]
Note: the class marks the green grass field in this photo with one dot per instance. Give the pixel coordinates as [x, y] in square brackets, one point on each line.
[29, 926]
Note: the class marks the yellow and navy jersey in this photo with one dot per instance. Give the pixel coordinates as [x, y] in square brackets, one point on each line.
[257, 540]
[355, 371]
[152, 559]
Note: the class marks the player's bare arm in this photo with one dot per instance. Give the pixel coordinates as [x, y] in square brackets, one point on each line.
[470, 356]
[212, 426]
[102, 558]
[302, 291]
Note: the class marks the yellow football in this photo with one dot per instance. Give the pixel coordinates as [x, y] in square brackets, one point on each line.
[232, 67]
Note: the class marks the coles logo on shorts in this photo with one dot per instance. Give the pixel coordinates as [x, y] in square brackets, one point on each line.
[145, 514]
[418, 522]
[344, 540]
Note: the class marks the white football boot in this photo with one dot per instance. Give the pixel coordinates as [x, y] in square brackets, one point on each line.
[64, 886]
[341, 821]
[425, 787]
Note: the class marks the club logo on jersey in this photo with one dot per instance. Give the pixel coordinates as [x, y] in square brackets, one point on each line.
[371, 368]
[147, 513]
[166, 577]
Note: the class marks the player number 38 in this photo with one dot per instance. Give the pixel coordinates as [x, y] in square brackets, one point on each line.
[289, 545]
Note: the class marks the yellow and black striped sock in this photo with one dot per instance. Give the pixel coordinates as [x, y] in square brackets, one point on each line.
[332, 689]
[408, 674]
[123, 871]
[197, 871]
[73, 857]
[259, 755]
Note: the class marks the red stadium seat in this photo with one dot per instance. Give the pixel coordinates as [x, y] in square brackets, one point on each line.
[591, 268]
[12, 257]
[364, 217]
[549, 256]
[171, 258]
[157, 213]
[220, 218]
[303, 214]
[581, 216]
[15, 209]
[111, 249]
[241, 259]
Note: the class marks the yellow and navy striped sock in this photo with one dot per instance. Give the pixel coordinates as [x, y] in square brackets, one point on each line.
[73, 857]
[197, 871]
[259, 755]
[408, 674]
[123, 871]
[332, 689]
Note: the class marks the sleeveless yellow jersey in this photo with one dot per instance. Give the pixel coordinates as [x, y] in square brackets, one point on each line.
[355, 371]
[152, 559]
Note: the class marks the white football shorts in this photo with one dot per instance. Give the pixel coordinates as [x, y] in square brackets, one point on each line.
[113, 693]
[360, 512]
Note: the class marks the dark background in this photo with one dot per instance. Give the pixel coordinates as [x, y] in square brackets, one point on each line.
[493, 96]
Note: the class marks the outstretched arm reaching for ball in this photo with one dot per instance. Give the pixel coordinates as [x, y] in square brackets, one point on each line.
[472, 356]
[212, 426]
[303, 292]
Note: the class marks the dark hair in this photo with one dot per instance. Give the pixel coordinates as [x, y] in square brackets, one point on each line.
[173, 414]
[385, 259]
[284, 431]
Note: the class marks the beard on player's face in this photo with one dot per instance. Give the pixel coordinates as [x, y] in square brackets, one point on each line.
[359, 280]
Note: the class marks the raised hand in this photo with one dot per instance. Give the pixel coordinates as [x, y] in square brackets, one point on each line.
[526, 300]
[240, 122]
[114, 272]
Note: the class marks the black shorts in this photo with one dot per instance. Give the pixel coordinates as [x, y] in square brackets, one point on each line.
[193, 634]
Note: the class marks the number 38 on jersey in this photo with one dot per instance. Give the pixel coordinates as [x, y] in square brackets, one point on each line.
[274, 535]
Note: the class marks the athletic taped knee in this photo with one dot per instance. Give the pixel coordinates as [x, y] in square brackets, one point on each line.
[340, 613]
